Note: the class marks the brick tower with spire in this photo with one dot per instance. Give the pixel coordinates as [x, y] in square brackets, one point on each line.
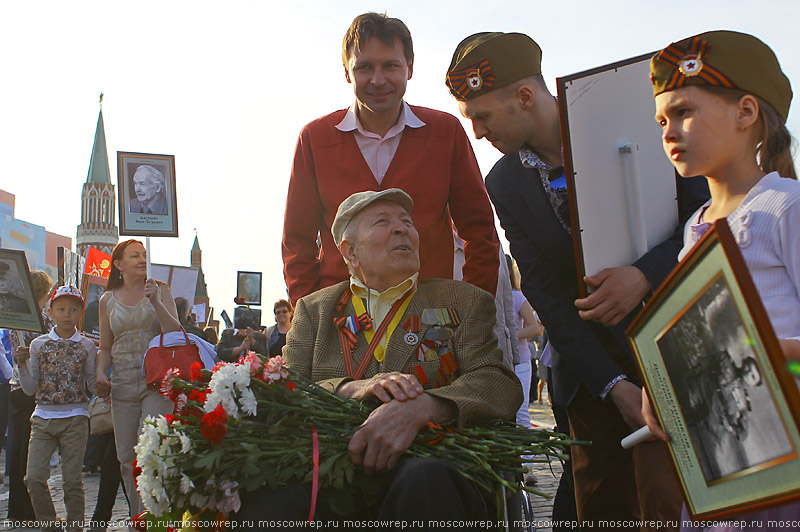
[98, 200]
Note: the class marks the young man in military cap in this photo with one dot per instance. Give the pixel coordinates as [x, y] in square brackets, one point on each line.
[382, 142]
[496, 78]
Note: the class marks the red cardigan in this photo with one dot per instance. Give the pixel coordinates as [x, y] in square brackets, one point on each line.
[434, 164]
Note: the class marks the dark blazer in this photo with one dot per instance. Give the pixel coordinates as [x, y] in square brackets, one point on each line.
[159, 207]
[545, 255]
[482, 387]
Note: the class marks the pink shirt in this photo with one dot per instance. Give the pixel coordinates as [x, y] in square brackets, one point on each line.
[378, 151]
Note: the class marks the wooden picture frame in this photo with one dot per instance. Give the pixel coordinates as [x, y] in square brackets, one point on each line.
[92, 289]
[248, 288]
[18, 309]
[719, 383]
[621, 188]
[148, 204]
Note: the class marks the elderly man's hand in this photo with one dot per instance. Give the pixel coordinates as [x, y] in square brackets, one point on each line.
[618, 291]
[386, 386]
[391, 428]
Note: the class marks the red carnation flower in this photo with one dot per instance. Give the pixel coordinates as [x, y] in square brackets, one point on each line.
[196, 372]
[290, 385]
[136, 472]
[140, 522]
[213, 427]
[197, 395]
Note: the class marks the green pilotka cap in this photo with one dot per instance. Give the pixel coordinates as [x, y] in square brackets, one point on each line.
[491, 60]
[723, 59]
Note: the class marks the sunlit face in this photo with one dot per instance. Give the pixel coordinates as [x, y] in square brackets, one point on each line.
[495, 117]
[134, 260]
[386, 247]
[379, 74]
[699, 131]
[66, 311]
[145, 186]
[283, 315]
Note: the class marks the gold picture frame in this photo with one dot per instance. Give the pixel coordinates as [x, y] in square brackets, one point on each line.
[719, 384]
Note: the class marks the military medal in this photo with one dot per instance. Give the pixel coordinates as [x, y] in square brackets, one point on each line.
[411, 338]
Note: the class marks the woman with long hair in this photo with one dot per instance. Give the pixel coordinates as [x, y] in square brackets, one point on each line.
[132, 311]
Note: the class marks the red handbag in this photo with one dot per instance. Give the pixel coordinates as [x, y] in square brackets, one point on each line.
[159, 360]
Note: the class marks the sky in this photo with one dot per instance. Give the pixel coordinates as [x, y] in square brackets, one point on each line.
[225, 87]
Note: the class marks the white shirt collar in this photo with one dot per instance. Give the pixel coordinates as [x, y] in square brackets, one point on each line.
[350, 122]
[74, 338]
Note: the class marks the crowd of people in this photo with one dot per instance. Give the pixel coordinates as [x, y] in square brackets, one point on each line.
[51, 378]
[400, 292]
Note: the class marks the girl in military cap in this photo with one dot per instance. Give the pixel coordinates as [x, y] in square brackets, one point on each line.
[722, 102]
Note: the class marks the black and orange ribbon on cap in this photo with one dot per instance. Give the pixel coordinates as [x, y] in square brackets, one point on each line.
[691, 64]
[472, 78]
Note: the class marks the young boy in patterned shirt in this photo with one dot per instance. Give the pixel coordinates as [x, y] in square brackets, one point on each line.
[61, 365]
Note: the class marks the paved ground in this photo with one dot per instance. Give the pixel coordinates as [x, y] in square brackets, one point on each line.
[547, 476]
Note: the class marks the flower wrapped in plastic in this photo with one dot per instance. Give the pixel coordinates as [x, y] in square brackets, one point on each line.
[256, 422]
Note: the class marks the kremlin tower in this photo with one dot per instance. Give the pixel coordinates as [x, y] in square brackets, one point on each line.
[98, 201]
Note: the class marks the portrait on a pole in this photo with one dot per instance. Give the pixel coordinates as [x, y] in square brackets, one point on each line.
[248, 288]
[147, 198]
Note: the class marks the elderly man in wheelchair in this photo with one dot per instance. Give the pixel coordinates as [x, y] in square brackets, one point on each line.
[424, 348]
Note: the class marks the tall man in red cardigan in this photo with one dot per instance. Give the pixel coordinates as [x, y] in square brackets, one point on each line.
[382, 142]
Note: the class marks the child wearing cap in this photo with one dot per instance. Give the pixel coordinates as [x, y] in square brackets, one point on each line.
[61, 365]
[722, 103]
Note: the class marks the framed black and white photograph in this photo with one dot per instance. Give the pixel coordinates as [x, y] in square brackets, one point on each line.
[18, 309]
[719, 383]
[92, 289]
[248, 288]
[244, 317]
[147, 199]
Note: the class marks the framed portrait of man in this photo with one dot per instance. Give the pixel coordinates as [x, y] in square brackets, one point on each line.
[18, 308]
[719, 383]
[148, 203]
[248, 288]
